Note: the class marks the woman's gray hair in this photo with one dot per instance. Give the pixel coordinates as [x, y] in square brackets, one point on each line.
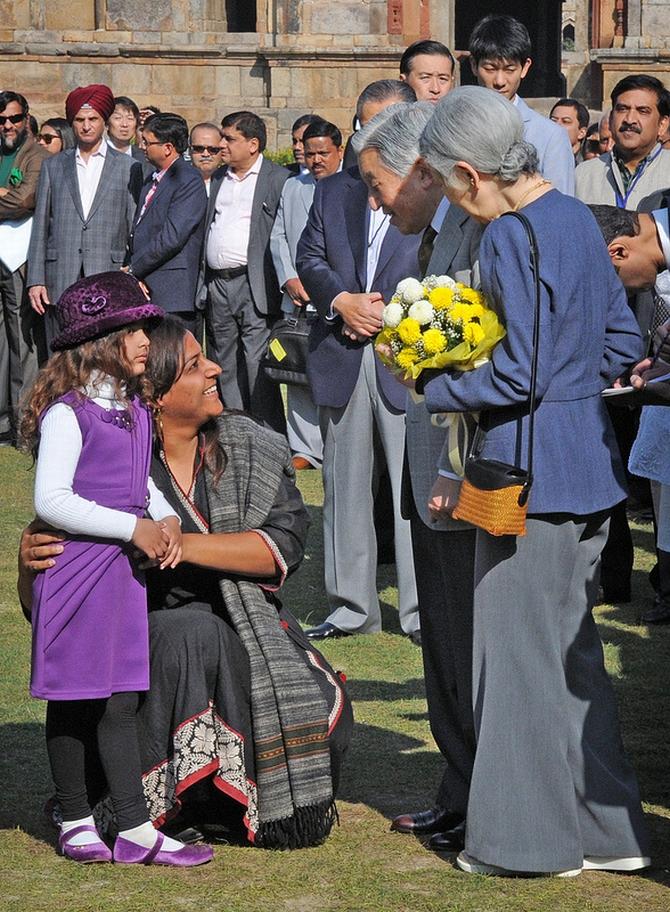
[480, 127]
[394, 134]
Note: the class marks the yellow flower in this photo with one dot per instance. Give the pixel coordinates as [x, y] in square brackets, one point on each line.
[409, 331]
[434, 341]
[473, 333]
[461, 312]
[406, 357]
[476, 310]
[441, 297]
[471, 296]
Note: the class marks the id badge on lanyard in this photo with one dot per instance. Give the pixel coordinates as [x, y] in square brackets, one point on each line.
[621, 201]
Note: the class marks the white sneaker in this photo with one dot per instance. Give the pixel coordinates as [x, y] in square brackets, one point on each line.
[474, 866]
[614, 863]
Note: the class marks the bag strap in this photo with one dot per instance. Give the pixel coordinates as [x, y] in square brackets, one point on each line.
[535, 266]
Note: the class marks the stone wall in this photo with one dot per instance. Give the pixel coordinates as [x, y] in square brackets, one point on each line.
[178, 54]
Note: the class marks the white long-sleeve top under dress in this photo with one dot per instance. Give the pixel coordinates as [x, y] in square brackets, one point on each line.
[59, 452]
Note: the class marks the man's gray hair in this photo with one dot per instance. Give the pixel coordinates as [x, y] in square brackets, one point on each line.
[394, 134]
[480, 127]
[383, 90]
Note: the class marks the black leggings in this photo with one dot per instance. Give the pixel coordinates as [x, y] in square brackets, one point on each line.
[72, 729]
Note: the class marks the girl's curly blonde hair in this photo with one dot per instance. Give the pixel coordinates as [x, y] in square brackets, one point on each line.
[72, 370]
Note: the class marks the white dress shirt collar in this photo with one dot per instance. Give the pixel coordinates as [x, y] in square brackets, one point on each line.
[440, 213]
[660, 216]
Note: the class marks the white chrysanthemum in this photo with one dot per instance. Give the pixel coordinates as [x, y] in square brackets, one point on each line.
[421, 311]
[393, 314]
[444, 281]
[411, 290]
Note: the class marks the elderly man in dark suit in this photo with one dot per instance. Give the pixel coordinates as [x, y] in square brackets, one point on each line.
[86, 200]
[443, 548]
[350, 260]
[239, 284]
[20, 162]
[169, 224]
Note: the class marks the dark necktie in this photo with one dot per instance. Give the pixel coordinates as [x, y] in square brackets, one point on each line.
[661, 312]
[426, 248]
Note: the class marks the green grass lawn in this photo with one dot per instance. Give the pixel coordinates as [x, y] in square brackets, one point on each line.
[392, 766]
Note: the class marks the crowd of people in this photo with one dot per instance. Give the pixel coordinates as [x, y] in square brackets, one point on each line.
[224, 242]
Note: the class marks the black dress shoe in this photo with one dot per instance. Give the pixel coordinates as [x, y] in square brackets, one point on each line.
[434, 820]
[415, 637]
[326, 631]
[659, 614]
[452, 840]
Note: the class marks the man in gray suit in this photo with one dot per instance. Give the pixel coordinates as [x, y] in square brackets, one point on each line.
[322, 151]
[238, 281]
[86, 199]
[443, 548]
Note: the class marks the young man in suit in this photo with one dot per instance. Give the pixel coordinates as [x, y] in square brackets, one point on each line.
[350, 260]
[238, 282]
[21, 159]
[500, 58]
[169, 224]
[402, 185]
[323, 156]
[86, 199]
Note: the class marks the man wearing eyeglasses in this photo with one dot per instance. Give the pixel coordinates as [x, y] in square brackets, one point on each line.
[21, 159]
[168, 229]
[206, 151]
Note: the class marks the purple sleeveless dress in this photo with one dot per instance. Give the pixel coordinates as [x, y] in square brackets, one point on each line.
[90, 628]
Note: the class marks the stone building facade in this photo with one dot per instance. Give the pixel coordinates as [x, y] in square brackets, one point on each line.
[611, 39]
[205, 58]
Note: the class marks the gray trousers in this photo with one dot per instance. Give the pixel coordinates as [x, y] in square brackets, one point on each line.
[551, 783]
[237, 337]
[18, 352]
[354, 438]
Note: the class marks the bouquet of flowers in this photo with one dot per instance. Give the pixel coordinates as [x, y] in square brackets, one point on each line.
[437, 323]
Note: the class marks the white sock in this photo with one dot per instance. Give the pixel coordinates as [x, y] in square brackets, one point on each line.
[80, 839]
[145, 835]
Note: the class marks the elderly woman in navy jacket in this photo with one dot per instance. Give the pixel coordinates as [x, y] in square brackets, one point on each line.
[552, 791]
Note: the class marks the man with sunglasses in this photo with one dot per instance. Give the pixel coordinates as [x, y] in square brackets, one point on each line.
[20, 162]
[206, 151]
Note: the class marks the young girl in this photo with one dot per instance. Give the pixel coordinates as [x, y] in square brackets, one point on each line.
[92, 438]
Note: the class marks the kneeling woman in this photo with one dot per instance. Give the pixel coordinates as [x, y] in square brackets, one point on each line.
[239, 700]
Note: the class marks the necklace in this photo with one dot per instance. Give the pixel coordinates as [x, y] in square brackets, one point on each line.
[529, 192]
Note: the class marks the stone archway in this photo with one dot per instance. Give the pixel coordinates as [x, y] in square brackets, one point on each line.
[542, 18]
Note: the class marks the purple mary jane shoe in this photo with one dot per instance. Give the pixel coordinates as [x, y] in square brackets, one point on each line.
[127, 852]
[84, 854]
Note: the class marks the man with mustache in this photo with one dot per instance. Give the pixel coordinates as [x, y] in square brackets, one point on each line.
[630, 176]
[637, 165]
[21, 159]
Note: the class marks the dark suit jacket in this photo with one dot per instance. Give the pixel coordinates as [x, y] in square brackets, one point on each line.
[261, 271]
[331, 258]
[167, 240]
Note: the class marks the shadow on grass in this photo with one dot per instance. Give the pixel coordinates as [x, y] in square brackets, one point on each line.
[25, 778]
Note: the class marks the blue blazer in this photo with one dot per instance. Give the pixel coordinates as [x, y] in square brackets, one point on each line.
[588, 337]
[331, 258]
[167, 241]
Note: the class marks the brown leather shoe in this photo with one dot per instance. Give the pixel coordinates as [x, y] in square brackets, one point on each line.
[434, 820]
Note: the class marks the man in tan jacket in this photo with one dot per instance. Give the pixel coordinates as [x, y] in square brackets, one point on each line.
[21, 159]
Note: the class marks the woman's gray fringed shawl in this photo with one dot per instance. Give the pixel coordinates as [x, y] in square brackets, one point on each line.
[289, 715]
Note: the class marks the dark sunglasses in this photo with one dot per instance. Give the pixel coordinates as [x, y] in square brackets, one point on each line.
[47, 138]
[12, 118]
[213, 150]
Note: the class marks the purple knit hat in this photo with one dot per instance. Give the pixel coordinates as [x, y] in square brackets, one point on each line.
[99, 304]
